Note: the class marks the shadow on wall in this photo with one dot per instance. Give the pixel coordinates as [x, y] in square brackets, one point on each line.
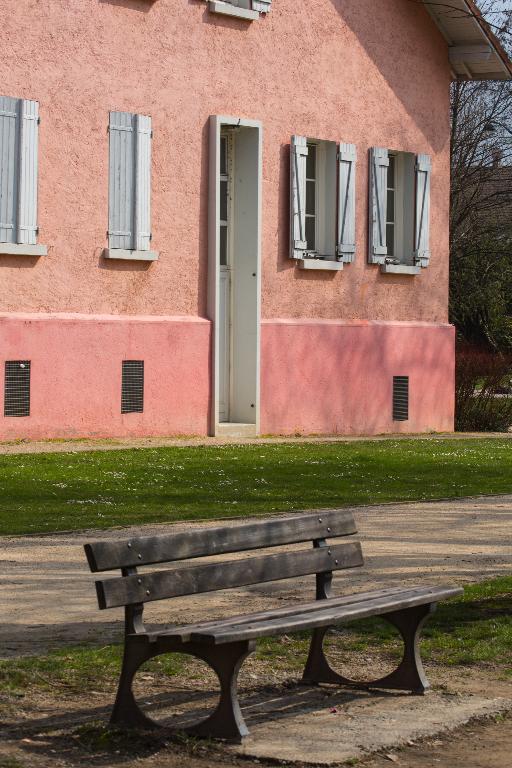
[343, 381]
[383, 28]
[143, 6]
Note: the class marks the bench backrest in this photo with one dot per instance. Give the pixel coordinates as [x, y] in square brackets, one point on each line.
[133, 588]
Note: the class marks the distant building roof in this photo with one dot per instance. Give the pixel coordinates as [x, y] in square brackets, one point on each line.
[475, 51]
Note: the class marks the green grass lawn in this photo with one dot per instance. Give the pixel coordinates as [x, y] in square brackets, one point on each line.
[98, 489]
[469, 631]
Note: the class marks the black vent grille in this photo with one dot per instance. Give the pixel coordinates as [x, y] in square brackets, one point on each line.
[400, 398]
[132, 393]
[17, 388]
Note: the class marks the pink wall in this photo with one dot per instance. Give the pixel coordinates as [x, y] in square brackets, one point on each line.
[373, 73]
[76, 374]
[336, 377]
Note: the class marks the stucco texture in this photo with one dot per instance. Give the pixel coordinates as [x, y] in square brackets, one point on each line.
[76, 375]
[339, 377]
[373, 73]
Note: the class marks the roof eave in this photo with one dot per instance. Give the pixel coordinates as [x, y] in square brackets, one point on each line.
[475, 51]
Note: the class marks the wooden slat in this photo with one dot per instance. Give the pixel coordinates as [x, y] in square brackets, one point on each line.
[184, 631]
[159, 585]
[326, 617]
[126, 553]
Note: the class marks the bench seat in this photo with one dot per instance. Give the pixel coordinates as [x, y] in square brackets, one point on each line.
[318, 614]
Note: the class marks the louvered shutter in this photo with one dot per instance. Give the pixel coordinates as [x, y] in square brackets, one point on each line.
[263, 6]
[347, 158]
[27, 171]
[379, 163]
[9, 118]
[298, 155]
[121, 180]
[422, 219]
[142, 222]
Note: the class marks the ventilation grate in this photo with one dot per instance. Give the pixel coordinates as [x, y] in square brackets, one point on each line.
[17, 388]
[132, 391]
[400, 398]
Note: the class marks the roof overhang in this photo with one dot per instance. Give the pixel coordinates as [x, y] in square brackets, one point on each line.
[475, 51]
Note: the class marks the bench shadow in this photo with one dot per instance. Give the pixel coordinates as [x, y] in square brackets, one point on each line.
[268, 703]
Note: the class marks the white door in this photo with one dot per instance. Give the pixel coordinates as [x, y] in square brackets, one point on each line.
[225, 276]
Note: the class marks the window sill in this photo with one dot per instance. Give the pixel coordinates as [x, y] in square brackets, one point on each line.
[399, 269]
[217, 6]
[332, 266]
[126, 255]
[23, 249]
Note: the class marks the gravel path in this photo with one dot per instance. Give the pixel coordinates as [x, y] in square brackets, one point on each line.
[48, 597]
[117, 444]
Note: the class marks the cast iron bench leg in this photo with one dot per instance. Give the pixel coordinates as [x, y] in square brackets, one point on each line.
[408, 676]
[126, 711]
[226, 722]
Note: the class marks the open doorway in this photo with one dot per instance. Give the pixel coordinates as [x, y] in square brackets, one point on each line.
[234, 273]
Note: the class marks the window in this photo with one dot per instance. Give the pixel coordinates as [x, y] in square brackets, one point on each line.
[322, 203]
[129, 231]
[226, 153]
[400, 210]
[19, 134]
[244, 9]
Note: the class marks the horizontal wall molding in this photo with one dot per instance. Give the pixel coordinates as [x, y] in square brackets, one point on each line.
[77, 317]
[354, 323]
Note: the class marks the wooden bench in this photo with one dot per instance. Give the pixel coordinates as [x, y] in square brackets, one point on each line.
[224, 644]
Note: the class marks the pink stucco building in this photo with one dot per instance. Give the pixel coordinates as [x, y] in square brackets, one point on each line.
[228, 217]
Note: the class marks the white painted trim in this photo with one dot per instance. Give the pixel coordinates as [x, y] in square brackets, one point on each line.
[216, 123]
[127, 255]
[324, 264]
[217, 6]
[23, 249]
[399, 269]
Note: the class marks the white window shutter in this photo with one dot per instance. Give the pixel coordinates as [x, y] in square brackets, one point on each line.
[27, 171]
[347, 159]
[422, 219]
[379, 163]
[9, 118]
[263, 6]
[142, 219]
[121, 180]
[298, 155]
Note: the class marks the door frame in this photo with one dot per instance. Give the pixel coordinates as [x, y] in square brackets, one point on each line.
[217, 122]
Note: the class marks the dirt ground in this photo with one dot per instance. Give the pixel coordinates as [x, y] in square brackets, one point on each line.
[61, 729]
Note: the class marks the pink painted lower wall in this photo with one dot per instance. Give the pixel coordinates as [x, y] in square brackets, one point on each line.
[317, 376]
[76, 374]
[335, 377]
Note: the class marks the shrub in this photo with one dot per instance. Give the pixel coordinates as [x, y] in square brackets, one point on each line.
[483, 391]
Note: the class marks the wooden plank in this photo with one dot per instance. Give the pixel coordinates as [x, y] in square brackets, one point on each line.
[184, 631]
[148, 550]
[326, 617]
[144, 588]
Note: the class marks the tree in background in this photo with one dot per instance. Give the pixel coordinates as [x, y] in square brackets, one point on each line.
[481, 202]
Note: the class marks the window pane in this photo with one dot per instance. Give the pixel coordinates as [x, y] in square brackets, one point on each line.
[310, 197]
[391, 172]
[390, 239]
[310, 232]
[223, 155]
[311, 162]
[391, 206]
[223, 245]
[224, 201]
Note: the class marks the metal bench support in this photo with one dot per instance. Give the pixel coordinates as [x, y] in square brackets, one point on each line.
[408, 676]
